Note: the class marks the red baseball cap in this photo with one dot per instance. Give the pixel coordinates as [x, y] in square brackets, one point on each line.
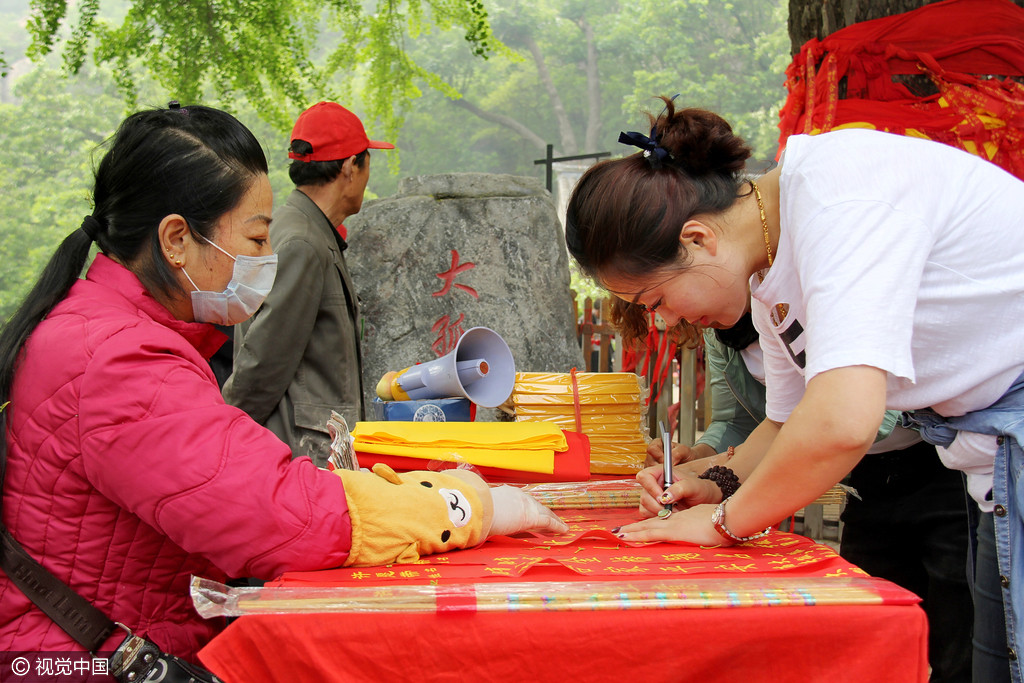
[334, 132]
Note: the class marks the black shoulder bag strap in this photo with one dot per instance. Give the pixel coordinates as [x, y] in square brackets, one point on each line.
[73, 613]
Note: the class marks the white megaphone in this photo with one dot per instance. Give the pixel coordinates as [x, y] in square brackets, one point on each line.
[480, 368]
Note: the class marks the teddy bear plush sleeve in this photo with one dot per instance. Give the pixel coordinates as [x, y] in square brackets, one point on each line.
[397, 518]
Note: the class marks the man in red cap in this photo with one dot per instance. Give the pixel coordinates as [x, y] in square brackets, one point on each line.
[297, 358]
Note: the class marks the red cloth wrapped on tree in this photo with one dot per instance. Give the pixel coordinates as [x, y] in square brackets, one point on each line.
[971, 50]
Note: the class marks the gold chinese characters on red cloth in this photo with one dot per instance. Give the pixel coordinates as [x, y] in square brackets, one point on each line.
[590, 551]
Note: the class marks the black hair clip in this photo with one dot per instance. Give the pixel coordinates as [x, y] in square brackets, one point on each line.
[175, 106]
[655, 154]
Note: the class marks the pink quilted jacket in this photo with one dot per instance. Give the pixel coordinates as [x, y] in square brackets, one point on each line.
[127, 473]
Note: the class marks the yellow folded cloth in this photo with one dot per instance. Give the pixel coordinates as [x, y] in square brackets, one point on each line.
[526, 446]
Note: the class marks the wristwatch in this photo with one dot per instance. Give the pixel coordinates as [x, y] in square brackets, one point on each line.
[718, 521]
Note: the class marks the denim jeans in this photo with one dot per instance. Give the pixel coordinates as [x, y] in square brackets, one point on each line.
[1005, 420]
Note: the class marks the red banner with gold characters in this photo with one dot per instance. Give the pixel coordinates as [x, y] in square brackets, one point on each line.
[589, 551]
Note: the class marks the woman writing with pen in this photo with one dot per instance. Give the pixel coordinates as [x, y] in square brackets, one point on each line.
[869, 260]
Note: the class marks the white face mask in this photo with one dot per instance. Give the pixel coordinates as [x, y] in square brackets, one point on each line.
[251, 280]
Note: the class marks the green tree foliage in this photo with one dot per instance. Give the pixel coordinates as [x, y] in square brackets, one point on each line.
[577, 72]
[572, 73]
[266, 52]
[728, 56]
[46, 163]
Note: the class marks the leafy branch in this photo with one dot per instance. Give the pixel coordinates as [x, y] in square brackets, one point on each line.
[267, 51]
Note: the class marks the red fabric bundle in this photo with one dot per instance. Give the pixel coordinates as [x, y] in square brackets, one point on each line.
[958, 44]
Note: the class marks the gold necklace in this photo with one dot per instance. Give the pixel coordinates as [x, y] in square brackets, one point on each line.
[764, 222]
[780, 309]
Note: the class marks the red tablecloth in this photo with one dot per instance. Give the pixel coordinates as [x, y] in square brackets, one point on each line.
[880, 636]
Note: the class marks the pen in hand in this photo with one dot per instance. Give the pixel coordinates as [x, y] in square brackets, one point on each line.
[666, 460]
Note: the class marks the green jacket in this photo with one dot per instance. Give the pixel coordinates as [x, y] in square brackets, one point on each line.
[737, 398]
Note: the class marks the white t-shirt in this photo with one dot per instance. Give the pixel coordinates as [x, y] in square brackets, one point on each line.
[897, 253]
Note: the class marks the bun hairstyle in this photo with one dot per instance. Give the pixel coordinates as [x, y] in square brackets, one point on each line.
[624, 215]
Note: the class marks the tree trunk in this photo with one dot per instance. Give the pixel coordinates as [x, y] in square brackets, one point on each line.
[565, 131]
[818, 18]
[593, 132]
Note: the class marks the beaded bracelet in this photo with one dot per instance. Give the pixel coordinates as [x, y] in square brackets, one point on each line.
[724, 477]
[718, 521]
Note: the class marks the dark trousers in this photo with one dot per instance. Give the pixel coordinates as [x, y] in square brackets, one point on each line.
[911, 527]
[991, 661]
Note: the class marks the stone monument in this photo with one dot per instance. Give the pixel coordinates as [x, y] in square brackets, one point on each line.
[450, 252]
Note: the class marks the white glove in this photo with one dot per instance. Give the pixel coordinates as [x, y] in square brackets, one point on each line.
[516, 511]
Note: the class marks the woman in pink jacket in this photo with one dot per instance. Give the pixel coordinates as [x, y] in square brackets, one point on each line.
[126, 473]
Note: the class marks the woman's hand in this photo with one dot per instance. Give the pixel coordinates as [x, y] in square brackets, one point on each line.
[686, 491]
[691, 526]
[680, 453]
